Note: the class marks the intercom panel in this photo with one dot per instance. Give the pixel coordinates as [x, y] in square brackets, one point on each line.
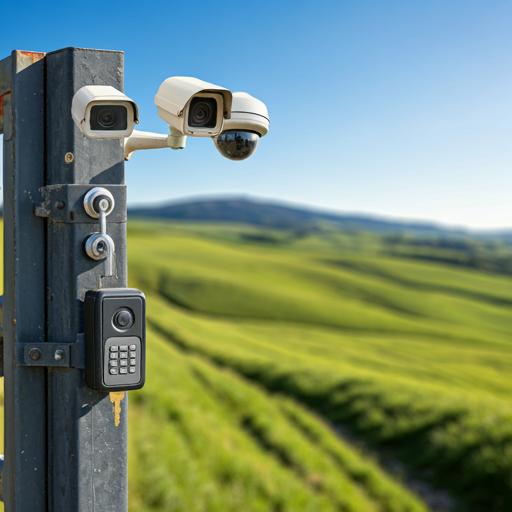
[115, 339]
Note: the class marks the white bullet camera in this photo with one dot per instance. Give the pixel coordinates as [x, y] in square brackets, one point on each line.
[103, 112]
[249, 121]
[192, 106]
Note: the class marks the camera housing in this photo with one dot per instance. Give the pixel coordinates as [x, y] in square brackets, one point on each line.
[248, 123]
[193, 107]
[103, 112]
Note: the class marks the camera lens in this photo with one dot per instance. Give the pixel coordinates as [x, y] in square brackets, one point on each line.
[109, 117]
[123, 319]
[203, 113]
[236, 144]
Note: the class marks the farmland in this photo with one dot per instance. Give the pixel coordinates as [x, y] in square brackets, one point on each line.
[261, 343]
[411, 356]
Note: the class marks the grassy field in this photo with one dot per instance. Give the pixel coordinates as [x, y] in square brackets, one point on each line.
[260, 341]
[203, 438]
[411, 356]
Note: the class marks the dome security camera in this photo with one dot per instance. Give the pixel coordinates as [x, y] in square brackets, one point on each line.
[249, 121]
[193, 107]
[103, 112]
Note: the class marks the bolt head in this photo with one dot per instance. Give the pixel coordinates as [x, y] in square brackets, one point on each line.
[59, 355]
[35, 354]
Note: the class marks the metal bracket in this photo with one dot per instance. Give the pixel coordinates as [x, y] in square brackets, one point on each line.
[61, 355]
[65, 203]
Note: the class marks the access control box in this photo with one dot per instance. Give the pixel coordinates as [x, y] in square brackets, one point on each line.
[115, 339]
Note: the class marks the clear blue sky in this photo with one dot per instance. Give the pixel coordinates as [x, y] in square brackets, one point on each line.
[398, 108]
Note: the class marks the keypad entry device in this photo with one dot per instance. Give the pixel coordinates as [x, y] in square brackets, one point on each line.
[115, 339]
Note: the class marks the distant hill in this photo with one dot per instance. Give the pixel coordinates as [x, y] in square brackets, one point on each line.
[274, 215]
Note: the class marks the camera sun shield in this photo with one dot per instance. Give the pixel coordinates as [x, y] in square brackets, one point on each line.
[115, 339]
[192, 106]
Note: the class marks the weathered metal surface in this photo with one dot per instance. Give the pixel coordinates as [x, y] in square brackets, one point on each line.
[1, 478]
[65, 203]
[5, 88]
[83, 420]
[23, 60]
[25, 420]
[66, 445]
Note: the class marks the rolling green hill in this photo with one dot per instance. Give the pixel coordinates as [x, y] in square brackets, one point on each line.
[276, 214]
[410, 356]
[262, 342]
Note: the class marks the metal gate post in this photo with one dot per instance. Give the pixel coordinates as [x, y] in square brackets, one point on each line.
[88, 452]
[25, 398]
[64, 451]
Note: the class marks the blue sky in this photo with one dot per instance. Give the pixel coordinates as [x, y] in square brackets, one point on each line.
[397, 108]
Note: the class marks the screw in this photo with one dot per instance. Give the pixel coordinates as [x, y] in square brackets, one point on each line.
[34, 354]
[59, 355]
[104, 205]
[60, 205]
[69, 157]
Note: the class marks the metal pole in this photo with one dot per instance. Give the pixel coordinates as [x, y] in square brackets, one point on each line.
[64, 449]
[25, 398]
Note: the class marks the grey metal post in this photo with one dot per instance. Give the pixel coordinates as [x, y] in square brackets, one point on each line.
[63, 449]
[25, 398]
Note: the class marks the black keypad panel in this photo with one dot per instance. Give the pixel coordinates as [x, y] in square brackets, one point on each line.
[122, 361]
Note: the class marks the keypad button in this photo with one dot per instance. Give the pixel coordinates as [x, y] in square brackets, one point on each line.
[123, 348]
[133, 347]
[113, 363]
[133, 354]
[123, 362]
[114, 355]
[113, 371]
[132, 369]
[132, 362]
[123, 370]
[123, 355]
[114, 348]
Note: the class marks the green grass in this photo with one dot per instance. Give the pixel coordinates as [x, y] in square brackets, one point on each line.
[411, 356]
[259, 341]
[202, 438]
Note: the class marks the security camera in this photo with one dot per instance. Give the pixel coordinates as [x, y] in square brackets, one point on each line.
[249, 121]
[236, 122]
[103, 112]
[193, 107]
